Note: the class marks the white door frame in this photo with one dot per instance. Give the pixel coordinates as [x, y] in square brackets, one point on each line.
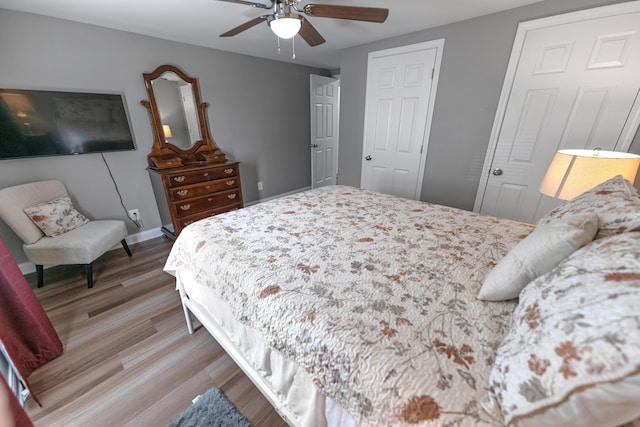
[439, 46]
[335, 127]
[518, 44]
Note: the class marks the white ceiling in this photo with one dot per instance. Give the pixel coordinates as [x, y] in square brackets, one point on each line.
[200, 22]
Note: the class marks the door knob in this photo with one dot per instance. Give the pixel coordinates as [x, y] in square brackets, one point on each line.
[368, 158]
[313, 145]
[497, 172]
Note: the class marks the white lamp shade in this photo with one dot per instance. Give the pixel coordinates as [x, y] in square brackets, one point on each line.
[167, 131]
[286, 27]
[572, 172]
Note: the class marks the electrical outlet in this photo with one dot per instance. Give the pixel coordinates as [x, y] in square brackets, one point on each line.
[134, 214]
[259, 185]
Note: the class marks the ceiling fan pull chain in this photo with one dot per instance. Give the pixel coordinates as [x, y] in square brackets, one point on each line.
[293, 43]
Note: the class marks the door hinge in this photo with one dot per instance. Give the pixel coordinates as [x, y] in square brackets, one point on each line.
[433, 73]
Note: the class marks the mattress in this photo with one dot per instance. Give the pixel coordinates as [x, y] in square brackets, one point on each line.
[303, 403]
[372, 296]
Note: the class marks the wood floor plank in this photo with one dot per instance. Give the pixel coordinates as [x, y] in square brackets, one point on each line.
[117, 319]
[176, 400]
[128, 357]
[90, 356]
[68, 390]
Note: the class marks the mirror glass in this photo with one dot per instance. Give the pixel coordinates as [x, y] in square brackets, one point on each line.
[178, 118]
[177, 110]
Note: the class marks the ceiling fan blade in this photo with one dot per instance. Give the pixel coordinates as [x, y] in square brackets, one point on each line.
[309, 33]
[369, 14]
[250, 3]
[245, 26]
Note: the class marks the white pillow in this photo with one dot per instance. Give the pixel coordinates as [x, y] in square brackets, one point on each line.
[56, 217]
[537, 254]
[572, 356]
[615, 201]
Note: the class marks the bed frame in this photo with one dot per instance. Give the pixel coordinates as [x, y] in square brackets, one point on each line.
[220, 335]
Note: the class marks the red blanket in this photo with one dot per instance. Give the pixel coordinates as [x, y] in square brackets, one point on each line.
[26, 332]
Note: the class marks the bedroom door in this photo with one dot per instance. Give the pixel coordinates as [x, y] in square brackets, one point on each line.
[400, 94]
[573, 82]
[325, 105]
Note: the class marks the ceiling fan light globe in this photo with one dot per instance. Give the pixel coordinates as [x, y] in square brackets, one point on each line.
[286, 27]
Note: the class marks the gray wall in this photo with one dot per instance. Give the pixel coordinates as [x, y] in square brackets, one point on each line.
[474, 62]
[258, 114]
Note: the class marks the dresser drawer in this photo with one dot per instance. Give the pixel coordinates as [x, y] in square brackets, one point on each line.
[204, 188]
[193, 177]
[191, 206]
[183, 222]
[191, 193]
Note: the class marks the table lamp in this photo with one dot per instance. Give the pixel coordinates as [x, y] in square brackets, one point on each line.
[167, 132]
[572, 172]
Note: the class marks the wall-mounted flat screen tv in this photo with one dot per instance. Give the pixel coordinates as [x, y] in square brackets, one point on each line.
[47, 123]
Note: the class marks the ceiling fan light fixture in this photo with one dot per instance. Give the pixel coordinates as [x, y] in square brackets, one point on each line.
[287, 26]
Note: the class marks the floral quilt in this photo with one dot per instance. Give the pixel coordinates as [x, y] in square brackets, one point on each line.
[374, 295]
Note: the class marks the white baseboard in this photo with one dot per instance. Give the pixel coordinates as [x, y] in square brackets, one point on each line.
[144, 235]
[277, 196]
[29, 267]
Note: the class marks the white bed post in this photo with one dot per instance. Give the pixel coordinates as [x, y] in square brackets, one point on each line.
[183, 298]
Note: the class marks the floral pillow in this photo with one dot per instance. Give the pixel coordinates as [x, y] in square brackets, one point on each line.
[538, 253]
[572, 356]
[56, 217]
[616, 202]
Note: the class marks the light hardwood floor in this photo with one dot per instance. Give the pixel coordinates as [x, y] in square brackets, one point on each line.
[128, 359]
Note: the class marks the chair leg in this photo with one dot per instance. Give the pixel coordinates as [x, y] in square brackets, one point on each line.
[40, 275]
[89, 275]
[126, 247]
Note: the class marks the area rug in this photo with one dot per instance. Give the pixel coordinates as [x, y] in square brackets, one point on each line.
[212, 409]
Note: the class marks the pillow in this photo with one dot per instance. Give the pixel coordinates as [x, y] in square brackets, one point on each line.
[538, 253]
[572, 356]
[616, 202]
[56, 217]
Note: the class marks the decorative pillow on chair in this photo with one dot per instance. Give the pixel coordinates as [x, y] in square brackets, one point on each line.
[542, 250]
[572, 357]
[616, 202]
[56, 217]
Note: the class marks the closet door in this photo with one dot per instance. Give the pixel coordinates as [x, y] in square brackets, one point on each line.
[401, 87]
[574, 84]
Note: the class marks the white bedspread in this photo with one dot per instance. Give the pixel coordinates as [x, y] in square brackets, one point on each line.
[373, 295]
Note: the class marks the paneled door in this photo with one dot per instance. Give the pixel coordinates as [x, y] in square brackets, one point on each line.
[325, 107]
[400, 94]
[574, 83]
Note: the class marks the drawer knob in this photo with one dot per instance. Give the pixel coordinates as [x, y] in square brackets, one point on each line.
[231, 182]
[206, 174]
[183, 192]
[207, 187]
[228, 171]
[185, 207]
[231, 196]
[188, 222]
[209, 199]
[178, 178]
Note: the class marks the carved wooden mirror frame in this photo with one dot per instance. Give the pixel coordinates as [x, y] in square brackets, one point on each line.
[166, 155]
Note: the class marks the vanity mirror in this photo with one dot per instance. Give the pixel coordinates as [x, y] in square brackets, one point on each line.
[190, 176]
[180, 130]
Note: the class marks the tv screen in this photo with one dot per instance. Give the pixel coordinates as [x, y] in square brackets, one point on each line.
[47, 123]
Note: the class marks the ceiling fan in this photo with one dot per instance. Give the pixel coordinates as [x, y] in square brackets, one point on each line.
[287, 20]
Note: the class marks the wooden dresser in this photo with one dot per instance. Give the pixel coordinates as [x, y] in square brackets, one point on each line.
[190, 193]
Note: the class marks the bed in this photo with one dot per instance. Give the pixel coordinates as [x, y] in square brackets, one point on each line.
[348, 307]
